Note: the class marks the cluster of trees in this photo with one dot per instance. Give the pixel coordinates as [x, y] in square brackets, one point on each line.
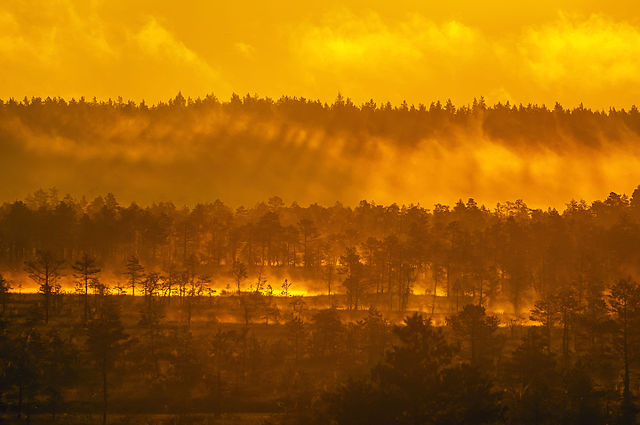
[242, 149]
[136, 355]
[571, 367]
[404, 123]
[374, 254]
[312, 365]
[568, 353]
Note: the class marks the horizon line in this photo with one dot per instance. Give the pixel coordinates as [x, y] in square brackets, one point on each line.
[346, 100]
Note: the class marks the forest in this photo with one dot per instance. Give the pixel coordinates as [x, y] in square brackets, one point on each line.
[245, 149]
[289, 314]
[343, 212]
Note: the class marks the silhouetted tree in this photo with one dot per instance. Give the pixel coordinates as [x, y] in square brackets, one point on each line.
[352, 268]
[85, 270]
[5, 288]
[45, 270]
[135, 273]
[239, 271]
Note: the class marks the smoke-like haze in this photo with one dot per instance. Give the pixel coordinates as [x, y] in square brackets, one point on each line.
[245, 152]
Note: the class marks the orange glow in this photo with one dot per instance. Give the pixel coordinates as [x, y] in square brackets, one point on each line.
[567, 51]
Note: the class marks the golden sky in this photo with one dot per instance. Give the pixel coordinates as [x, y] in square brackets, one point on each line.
[542, 51]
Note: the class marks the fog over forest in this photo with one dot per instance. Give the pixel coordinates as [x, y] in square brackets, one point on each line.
[285, 262]
[319, 213]
[247, 148]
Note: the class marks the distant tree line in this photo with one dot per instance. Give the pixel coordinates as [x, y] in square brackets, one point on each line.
[374, 254]
[406, 124]
[245, 148]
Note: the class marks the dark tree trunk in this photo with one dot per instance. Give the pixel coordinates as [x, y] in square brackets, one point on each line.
[104, 392]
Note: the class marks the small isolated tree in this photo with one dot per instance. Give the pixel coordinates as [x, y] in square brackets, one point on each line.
[285, 287]
[45, 270]
[239, 272]
[85, 270]
[194, 291]
[135, 272]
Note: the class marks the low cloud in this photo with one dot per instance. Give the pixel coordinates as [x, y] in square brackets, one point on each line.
[592, 53]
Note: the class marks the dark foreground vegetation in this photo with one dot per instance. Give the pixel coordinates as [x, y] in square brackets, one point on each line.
[459, 315]
[252, 358]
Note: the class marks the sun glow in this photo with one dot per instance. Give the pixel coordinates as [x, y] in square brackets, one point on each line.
[567, 51]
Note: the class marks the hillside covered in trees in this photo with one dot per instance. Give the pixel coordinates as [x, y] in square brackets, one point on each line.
[247, 148]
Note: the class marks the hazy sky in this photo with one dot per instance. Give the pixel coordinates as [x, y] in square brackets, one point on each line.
[542, 51]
